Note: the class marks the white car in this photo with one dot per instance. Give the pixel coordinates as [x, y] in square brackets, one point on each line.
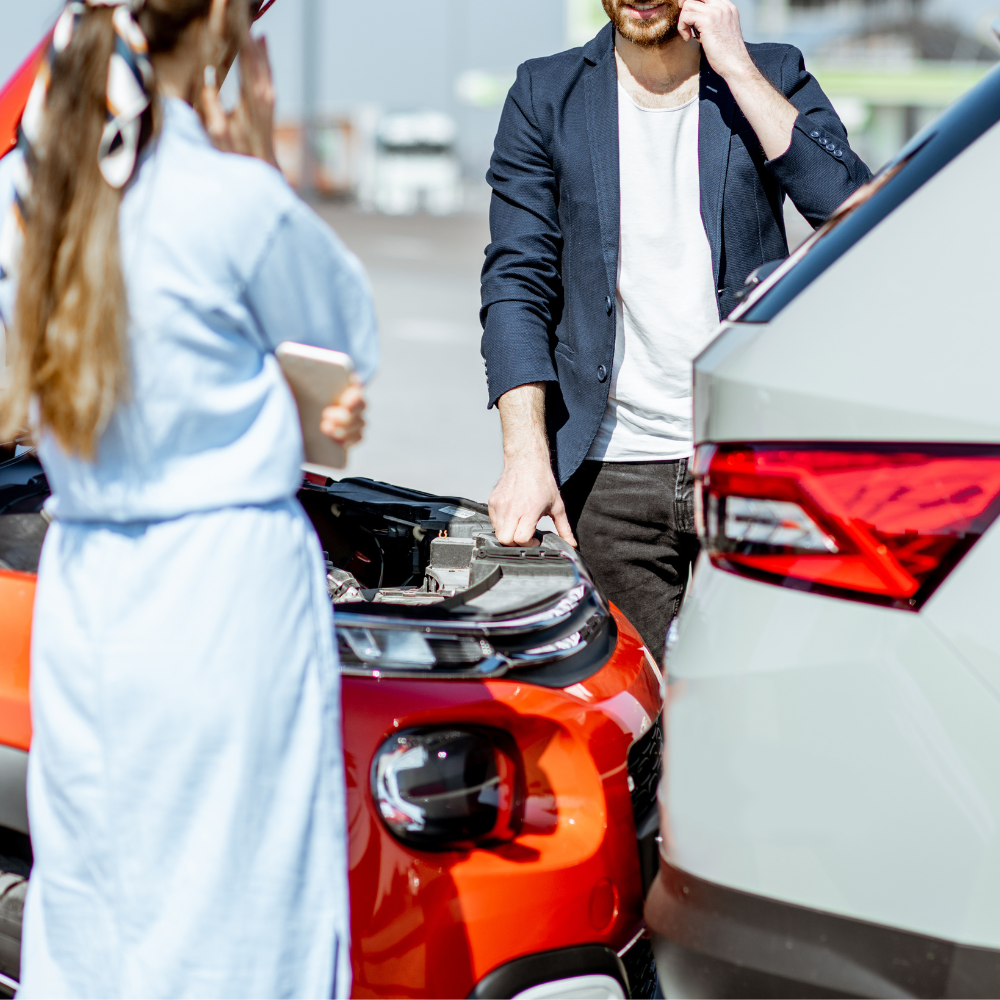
[830, 805]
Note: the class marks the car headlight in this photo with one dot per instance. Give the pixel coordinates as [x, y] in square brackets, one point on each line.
[407, 651]
[449, 788]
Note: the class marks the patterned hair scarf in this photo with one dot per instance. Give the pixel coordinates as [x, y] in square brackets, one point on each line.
[130, 83]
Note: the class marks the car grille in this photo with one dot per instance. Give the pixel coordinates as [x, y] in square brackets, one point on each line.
[462, 651]
[644, 770]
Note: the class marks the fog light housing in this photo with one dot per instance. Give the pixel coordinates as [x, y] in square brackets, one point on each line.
[449, 788]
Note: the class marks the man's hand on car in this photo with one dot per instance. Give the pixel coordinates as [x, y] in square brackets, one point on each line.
[527, 490]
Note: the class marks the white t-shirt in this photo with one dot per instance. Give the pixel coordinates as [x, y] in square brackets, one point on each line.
[666, 305]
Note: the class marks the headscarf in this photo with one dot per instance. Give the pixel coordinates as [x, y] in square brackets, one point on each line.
[128, 98]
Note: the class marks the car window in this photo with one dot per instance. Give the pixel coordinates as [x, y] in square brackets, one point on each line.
[913, 166]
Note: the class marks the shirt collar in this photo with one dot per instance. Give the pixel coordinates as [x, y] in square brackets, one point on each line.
[180, 119]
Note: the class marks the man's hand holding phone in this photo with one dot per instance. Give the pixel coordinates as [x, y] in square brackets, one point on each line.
[716, 25]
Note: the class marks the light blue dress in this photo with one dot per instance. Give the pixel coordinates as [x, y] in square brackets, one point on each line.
[185, 786]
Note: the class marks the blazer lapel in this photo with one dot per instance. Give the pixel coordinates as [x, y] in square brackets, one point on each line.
[715, 129]
[601, 91]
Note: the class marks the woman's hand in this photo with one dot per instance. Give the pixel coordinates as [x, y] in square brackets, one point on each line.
[249, 127]
[343, 421]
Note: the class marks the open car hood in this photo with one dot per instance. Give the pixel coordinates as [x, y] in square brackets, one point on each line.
[420, 585]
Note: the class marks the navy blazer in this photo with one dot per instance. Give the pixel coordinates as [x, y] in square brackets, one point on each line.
[548, 284]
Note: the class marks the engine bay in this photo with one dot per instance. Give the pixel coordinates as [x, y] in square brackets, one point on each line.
[419, 581]
[387, 545]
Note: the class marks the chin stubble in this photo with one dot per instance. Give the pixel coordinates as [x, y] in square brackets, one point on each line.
[660, 29]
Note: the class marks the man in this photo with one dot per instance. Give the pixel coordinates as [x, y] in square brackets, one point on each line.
[636, 183]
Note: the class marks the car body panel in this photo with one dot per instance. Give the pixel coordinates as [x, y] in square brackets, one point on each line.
[14, 96]
[835, 755]
[963, 611]
[822, 751]
[17, 598]
[855, 356]
[430, 923]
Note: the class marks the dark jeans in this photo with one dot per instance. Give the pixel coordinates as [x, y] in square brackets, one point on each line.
[634, 522]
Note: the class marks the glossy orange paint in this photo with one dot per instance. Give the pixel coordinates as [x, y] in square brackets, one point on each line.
[14, 96]
[428, 924]
[17, 598]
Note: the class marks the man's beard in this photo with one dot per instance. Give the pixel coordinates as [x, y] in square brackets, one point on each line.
[660, 28]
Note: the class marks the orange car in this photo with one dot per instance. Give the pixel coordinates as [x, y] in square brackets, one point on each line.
[501, 733]
[502, 745]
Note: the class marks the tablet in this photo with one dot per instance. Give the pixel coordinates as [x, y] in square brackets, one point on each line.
[317, 378]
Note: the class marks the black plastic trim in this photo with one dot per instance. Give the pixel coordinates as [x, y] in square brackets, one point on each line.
[729, 943]
[647, 835]
[544, 967]
[929, 152]
[573, 669]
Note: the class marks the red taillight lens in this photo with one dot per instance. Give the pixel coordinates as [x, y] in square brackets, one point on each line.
[882, 523]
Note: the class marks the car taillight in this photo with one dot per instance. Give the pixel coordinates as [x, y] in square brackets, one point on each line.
[446, 789]
[880, 523]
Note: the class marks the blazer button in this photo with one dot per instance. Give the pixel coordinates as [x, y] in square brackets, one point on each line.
[814, 134]
[608, 306]
[602, 373]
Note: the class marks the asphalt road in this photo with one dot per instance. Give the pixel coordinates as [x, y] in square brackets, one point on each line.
[428, 426]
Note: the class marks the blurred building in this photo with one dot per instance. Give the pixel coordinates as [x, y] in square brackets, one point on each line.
[448, 57]
[889, 65]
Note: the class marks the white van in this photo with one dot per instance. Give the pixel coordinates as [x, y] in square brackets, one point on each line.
[416, 165]
[830, 805]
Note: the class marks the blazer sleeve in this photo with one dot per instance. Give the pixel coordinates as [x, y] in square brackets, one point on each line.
[521, 284]
[819, 169]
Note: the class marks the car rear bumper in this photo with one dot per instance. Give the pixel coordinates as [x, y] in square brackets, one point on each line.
[714, 941]
[835, 755]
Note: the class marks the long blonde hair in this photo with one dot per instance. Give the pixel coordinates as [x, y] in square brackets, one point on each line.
[67, 346]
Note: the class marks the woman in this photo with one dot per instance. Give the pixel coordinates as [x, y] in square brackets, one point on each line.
[185, 778]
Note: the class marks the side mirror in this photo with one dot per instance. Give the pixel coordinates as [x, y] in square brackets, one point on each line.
[758, 274]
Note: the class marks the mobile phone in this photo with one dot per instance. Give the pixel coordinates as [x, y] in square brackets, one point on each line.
[317, 378]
